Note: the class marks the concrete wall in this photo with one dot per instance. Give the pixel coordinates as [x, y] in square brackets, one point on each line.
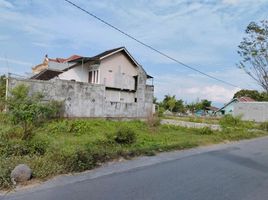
[119, 96]
[89, 100]
[252, 111]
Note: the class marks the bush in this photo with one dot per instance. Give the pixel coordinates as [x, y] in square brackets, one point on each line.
[264, 126]
[125, 135]
[154, 121]
[160, 111]
[230, 121]
[29, 110]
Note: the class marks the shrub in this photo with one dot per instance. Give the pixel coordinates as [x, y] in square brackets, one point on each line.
[160, 111]
[230, 121]
[125, 135]
[154, 121]
[29, 110]
[264, 126]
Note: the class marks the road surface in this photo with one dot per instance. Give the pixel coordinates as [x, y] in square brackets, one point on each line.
[237, 171]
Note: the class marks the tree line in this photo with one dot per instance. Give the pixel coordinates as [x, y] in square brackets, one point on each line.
[171, 103]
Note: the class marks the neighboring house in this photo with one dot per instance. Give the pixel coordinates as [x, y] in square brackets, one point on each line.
[199, 113]
[228, 108]
[211, 110]
[113, 76]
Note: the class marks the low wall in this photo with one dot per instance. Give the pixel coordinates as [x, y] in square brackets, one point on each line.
[252, 111]
[83, 99]
[215, 127]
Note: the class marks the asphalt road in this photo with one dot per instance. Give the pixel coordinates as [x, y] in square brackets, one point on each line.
[233, 171]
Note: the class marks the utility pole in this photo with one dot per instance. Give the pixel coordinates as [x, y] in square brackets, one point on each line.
[7, 86]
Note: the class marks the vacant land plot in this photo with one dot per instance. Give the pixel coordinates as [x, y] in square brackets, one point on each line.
[63, 146]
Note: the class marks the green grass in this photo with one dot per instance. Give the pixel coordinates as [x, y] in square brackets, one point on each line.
[65, 146]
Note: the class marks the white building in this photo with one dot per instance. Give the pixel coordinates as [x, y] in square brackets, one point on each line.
[122, 77]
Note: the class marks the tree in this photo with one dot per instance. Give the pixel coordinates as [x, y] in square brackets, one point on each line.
[254, 94]
[254, 52]
[179, 106]
[205, 103]
[169, 102]
[172, 104]
[199, 105]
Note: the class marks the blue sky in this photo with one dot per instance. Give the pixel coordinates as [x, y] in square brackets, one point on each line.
[202, 33]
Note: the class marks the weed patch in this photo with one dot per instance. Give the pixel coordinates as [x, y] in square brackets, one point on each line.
[64, 146]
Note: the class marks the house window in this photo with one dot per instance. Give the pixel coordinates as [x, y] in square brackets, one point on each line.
[93, 76]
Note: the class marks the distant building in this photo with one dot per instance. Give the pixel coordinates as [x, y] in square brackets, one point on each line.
[211, 110]
[228, 108]
[252, 111]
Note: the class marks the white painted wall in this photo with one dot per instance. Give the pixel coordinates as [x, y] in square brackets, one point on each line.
[117, 71]
[78, 73]
[252, 111]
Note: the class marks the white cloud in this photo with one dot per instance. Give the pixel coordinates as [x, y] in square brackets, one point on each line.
[194, 86]
[198, 33]
[5, 4]
[214, 93]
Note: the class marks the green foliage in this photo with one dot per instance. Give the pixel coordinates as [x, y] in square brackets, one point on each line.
[28, 110]
[125, 135]
[253, 51]
[205, 131]
[172, 104]
[254, 94]
[264, 126]
[230, 121]
[199, 105]
[178, 106]
[160, 111]
[64, 146]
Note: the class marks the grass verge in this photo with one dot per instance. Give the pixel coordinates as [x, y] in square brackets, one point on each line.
[64, 146]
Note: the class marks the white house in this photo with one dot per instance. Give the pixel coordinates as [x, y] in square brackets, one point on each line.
[110, 84]
[116, 69]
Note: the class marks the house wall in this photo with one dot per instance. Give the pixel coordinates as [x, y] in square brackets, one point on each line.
[88, 100]
[252, 111]
[117, 71]
[79, 73]
[229, 109]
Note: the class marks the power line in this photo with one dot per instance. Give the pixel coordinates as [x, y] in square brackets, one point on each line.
[149, 46]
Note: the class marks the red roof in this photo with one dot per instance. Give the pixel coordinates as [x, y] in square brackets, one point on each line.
[63, 60]
[245, 99]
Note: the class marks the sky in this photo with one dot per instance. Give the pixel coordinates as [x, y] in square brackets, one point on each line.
[201, 33]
